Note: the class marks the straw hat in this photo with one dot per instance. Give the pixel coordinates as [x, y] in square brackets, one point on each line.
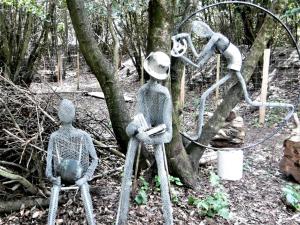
[157, 65]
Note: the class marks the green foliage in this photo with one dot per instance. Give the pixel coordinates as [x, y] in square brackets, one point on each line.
[157, 183]
[173, 180]
[60, 27]
[173, 193]
[118, 7]
[141, 198]
[174, 196]
[291, 194]
[292, 12]
[215, 204]
[30, 6]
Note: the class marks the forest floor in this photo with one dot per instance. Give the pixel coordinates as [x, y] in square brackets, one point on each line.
[255, 199]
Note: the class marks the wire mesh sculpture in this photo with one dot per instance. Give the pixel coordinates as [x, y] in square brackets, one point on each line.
[217, 42]
[69, 151]
[153, 115]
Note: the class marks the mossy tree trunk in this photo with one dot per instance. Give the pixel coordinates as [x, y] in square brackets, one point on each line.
[161, 19]
[103, 70]
[179, 162]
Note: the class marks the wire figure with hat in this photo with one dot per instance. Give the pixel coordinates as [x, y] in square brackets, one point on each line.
[68, 161]
[152, 125]
[217, 43]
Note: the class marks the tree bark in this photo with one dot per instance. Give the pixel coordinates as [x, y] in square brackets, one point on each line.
[15, 205]
[103, 71]
[179, 162]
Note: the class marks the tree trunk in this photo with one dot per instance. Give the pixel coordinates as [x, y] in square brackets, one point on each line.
[179, 162]
[234, 94]
[103, 71]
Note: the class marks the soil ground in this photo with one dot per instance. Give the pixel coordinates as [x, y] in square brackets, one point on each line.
[255, 199]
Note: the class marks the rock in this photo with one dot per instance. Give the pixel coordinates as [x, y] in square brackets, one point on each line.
[232, 133]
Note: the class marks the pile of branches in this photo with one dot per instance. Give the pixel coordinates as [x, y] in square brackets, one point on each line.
[26, 122]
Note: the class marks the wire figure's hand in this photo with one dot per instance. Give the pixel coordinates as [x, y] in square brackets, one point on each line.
[55, 180]
[179, 46]
[142, 136]
[81, 181]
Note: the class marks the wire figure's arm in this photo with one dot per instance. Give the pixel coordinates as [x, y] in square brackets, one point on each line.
[188, 61]
[208, 50]
[91, 169]
[205, 58]
[49, 168]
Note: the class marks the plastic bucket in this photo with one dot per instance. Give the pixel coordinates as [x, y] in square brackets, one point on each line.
[230, 164]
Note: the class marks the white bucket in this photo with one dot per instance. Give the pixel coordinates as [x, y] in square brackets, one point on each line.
[230, 164]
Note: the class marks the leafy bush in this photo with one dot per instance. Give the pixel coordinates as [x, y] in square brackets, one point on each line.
[173, 193]
[215, 204]
[291, 194]
[141, 198]
[173, 180]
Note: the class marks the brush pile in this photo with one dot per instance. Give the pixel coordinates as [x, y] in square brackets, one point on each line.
[26, 121]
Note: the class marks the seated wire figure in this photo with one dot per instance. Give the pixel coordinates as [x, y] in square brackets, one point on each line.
[154, 108]
[68, 154]
[217, 43]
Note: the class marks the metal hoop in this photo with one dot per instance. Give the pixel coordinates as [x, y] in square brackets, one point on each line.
[290, 35]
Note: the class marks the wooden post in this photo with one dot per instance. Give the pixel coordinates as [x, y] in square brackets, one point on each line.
[142, 71]
[59, 69]
[218, 75]
[264, 86]
[78, 69]
[182, 89]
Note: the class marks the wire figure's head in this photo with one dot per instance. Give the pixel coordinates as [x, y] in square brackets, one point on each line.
[66, 111]
[201, 29]
[157, 65]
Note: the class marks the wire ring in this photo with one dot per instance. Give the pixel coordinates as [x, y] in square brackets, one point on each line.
[280, 126]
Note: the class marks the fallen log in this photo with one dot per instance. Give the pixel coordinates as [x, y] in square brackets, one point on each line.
[27, 185]
[15, 205]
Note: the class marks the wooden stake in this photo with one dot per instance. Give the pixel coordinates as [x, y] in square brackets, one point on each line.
[59, 69]
[182, 89]
[142, 71]
[264, 85]
[78, 69]
[218, 75]
[136, 168]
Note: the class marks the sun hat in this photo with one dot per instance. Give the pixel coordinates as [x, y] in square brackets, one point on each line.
[157, 65]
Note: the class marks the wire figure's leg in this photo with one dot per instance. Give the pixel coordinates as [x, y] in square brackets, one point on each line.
[267, 104]
[202, 103]
[126, 182]
[88, 204]
[53, 204]
[164, 185]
